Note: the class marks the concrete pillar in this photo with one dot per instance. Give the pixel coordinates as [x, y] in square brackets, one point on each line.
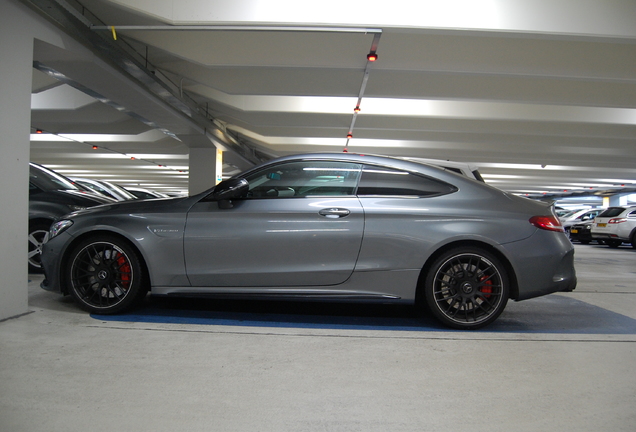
[618, 200]
[203, 169]
[16, 52]
[19, 27]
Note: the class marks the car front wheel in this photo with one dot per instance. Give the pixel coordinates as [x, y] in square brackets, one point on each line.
[466, 288]
[38, 235]
[105, 275]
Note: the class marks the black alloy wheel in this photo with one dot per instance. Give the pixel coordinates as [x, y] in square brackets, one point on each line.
[38, 235]
[105, 275]
[466, 288]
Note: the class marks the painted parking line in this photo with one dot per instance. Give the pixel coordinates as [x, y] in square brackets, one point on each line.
[550, 314]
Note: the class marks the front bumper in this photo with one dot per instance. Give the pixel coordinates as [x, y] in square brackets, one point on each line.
[52, 255]
[580, 233]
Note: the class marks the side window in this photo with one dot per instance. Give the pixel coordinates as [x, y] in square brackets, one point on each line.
[632, 214]
[386, 181]
[305, 178]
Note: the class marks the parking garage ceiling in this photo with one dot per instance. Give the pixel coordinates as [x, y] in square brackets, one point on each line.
[540, 95]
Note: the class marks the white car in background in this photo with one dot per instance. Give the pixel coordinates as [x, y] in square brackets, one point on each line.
[142, 193]
[615, 226]
[580, 216]
[105, 188]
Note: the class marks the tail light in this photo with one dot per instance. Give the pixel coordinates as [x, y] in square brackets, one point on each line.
[617, 220]
[549, 223]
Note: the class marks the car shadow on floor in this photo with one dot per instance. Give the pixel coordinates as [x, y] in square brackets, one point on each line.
[550, 314]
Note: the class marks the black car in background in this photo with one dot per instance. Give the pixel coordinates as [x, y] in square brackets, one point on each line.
[582, 232]
[52, 195]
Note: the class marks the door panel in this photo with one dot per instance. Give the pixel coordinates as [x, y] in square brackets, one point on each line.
[297, 241]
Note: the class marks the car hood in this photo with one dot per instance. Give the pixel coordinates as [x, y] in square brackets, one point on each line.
[142, 206]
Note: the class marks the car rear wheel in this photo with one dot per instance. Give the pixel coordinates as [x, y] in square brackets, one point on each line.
[466, 288]
[38, 235]
[105, 275]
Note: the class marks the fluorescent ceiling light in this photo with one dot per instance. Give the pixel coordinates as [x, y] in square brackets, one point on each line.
[148, 136]
[422, 108]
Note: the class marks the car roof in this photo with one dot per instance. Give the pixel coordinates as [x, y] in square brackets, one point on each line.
[404, 163]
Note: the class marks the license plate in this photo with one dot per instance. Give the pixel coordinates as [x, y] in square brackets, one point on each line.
[574, 231]
[601, 225]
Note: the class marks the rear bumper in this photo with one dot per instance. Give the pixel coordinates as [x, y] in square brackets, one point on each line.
[544, 264]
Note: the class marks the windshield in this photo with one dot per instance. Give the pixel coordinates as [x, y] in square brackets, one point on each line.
[48, 180]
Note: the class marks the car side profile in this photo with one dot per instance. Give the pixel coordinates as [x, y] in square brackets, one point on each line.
[325, 227]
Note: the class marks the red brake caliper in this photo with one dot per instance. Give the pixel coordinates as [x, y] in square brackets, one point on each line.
[487, 287]
[124, 269]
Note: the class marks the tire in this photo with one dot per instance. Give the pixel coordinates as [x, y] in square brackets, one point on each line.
[38, 235]
[634, 240]
[105, 275]
[466, 288]
[613, 243]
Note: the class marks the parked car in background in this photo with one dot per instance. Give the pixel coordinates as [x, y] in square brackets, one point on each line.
[616, 225]
[52, 195]
[582, 232]
[579, 216]
[326, 227]
[106, 188]
[142, 193]
[562, 212]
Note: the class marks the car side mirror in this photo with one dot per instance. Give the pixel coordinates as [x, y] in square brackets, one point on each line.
[228, 190]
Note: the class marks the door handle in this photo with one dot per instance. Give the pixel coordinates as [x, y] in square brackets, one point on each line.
[334, 213]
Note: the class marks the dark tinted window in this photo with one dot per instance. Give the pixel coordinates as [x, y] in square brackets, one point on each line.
[478, 176]
[305, 178]
[455, 170]
[612, 212]
[387, 181]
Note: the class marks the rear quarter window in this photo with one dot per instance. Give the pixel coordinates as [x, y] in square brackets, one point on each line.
[612, 212]
[386, 181]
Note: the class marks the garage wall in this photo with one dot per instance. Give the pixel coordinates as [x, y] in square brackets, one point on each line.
[18, 28]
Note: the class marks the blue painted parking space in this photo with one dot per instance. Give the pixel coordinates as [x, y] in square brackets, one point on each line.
[551, 314]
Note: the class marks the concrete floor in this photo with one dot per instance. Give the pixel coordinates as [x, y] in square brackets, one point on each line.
[564, 362]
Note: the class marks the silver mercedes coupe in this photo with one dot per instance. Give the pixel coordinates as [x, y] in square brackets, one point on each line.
[328, 227]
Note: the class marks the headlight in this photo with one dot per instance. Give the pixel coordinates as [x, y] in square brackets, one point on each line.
[59, 227]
